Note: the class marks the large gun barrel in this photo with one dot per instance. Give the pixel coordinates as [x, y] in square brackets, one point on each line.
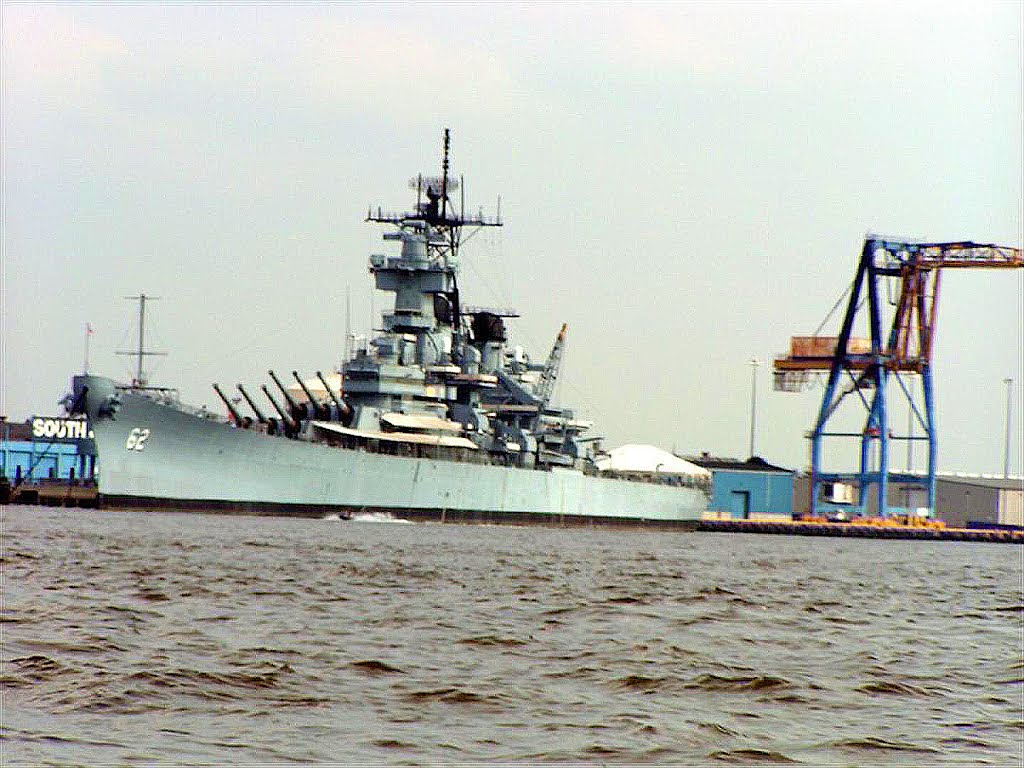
[343, 408]
[259, 414]
[286, 420]
[319, 410]
[297, 411]
[230, 406]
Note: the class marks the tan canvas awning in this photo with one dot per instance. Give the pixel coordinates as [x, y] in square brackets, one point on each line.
[397, 437]
[406, 421]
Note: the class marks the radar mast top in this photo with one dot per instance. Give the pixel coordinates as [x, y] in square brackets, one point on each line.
[437, 213]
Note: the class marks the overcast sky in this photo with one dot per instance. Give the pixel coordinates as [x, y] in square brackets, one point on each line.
[686, 185]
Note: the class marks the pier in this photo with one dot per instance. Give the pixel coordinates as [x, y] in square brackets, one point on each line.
[864, 531]
[50, 493]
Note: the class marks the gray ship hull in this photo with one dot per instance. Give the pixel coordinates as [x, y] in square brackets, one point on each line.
[186, 461]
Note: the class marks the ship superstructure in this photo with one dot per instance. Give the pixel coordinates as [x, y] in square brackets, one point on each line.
[439, 373]
[436, 413]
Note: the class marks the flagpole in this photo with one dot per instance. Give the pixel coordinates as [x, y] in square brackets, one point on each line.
[88, 333]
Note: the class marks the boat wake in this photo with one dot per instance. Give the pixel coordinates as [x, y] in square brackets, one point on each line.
[378, 517]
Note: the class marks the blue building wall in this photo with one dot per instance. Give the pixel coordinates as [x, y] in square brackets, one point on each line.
[742, 493]
[43, 460]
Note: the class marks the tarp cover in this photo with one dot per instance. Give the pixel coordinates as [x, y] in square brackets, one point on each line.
[648, 458]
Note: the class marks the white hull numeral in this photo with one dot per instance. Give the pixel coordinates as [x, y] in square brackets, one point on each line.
[137, 439]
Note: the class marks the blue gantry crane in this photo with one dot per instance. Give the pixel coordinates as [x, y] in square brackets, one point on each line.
[866, 366]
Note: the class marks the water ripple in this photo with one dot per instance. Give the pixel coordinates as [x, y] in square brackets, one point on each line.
[174, 639]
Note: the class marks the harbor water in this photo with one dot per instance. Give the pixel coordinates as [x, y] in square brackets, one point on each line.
[154, 638]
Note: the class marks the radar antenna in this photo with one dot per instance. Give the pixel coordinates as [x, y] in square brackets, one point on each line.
[438, 213]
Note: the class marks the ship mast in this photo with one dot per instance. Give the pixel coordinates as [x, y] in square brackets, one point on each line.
[140, 380]
[438, 212]
[439, 222]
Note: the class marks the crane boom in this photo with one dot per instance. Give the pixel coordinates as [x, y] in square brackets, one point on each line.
[954, 255]
[546, 385]
[919, 265]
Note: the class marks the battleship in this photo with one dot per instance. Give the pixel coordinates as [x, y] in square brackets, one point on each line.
[438, 416]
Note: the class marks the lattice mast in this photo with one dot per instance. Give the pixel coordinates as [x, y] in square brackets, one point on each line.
[437, 217]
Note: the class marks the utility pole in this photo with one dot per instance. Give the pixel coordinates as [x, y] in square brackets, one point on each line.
[1009, 416]
[754, 363]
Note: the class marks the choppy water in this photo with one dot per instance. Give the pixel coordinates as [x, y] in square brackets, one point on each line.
[143, 638]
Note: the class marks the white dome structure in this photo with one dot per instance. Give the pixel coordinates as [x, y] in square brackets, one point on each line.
[648, 458]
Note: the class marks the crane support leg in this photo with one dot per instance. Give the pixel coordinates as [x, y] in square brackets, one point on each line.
[865, 468]
[929, 415]
[883, 442]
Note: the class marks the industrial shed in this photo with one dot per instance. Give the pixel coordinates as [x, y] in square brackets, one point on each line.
[964, 501]
[748, 488]
[960, 500]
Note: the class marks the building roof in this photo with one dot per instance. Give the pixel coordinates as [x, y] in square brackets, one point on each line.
[983, 481]
[753, 464]
[648, 458]
[1012, 483]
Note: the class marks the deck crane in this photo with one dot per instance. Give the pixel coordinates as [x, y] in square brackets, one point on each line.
[546, 385]
[869, 363]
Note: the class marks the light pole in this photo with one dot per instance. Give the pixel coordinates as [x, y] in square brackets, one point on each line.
[1009, 412]
[754, 363]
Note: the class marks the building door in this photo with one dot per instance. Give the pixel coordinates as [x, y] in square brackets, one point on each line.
[739, 504]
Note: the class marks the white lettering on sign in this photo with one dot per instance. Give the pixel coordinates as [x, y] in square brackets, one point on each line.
[60, 428]
[137, 439]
